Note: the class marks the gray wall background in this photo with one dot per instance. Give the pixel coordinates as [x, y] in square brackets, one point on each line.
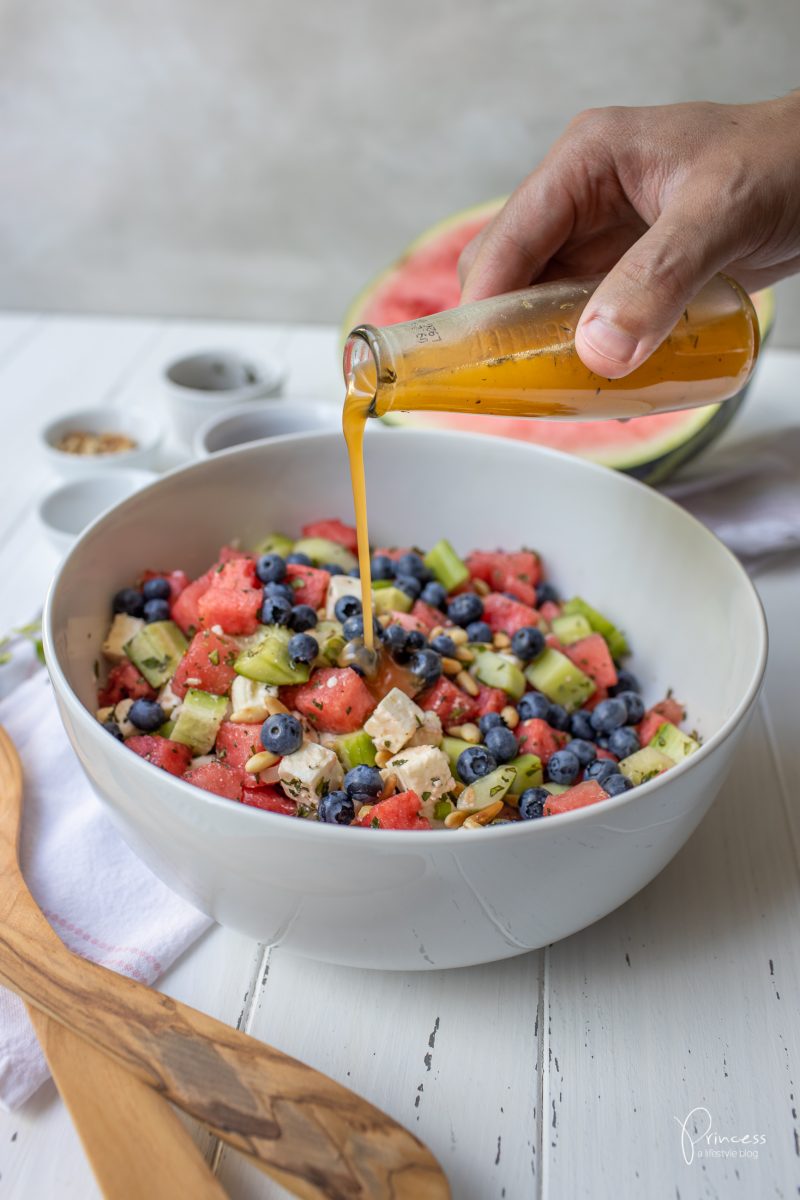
[262, 159]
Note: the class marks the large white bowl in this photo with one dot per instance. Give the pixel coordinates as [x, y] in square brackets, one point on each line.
[436, 899]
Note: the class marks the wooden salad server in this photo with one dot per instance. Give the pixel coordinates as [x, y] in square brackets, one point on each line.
[317, 1138]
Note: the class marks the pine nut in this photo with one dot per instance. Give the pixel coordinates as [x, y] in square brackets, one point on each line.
[451, 666]
[489, 813]
[389, 787]
[382, 758]
[472, 822]
[501, 641]
[467, 733]
[481, 587]
[457, 789]
[510, 716]
[458, 635]
[465, 655]
[260, 762]
[455, 819]
[274, 706]
[385, 620]
[435, 632]
[365, 810]
[466, 682]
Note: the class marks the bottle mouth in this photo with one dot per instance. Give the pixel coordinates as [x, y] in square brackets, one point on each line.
[362, 365]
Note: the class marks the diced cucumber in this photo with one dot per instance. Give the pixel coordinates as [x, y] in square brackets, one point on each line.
[645, 764]
[560, 680]
[496, 671]
[673, 742]
[323, 550]
[166, 729]
[529, 773]
[453, 747]
[275, 543]
[268, 661]
[355, 749]
[442, 809]
[446, 565]
[600, 624]
[391, 599]
[199, 719]
[156, 650]
[571, 628]
[555, 789]
[330, 640]
[487, 790]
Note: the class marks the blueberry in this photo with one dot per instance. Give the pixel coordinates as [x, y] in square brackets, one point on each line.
[396, 639]
[147, 715]
[580, 725]
[464, 609]
[333, 568]
[475, 762]
[563, 767]
[479, 631]
[410, 585]
[583, 750]
[299, 560]
[435, 595]
[609, 714]
[382, 567]
[634, 705]
[626, 682]
[156, 610]
[156, 589]
[279, 589]
[527, 643]
[426, 666]
[336, 809]
[302, 617]
[353, 628]
[546, 593]
[490, 721]
[282, 734]
[601, 770]
[501, 743]
[364, 781]
[303, 648]
[354, 572]
[113, 728]
[558, 717]
[615, 785]
[416, 640]
[276, 610]
[128, 601]
[532, 802]
[412, 564]
[534, 704]
[270, 568]
[346, 607]
[623, 741]
[444, 644]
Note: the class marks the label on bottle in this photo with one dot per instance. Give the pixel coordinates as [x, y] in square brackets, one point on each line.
[426, 331]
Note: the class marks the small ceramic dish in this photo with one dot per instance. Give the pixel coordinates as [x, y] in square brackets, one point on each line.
[252, 422]
[143, 429]
[65, 511]
[209, 383]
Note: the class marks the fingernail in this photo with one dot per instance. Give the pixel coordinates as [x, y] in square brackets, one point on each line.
[613, 343]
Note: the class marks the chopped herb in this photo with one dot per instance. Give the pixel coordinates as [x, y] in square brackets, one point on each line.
[318, 704]
[426, 795]
[222, 754]
[441, 809]
[399, 762]
[213, 658]
[374, 823]
[349, 709]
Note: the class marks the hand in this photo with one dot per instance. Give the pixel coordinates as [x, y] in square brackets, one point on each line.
[661, 199]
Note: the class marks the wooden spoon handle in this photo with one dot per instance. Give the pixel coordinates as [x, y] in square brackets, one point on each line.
[310, 1133]
[136, 1144]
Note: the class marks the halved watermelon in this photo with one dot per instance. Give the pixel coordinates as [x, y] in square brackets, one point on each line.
[424, 280]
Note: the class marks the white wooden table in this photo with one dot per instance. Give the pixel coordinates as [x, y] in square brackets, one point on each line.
[559, 1074]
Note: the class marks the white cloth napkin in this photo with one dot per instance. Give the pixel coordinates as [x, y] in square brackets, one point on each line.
[99, 898]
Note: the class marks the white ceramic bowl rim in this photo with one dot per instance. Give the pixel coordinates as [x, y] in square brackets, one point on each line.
[317, 829]
[269, 372]
[134, 478]
[274, 406]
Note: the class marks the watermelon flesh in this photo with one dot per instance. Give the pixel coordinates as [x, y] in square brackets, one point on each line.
[424, 280]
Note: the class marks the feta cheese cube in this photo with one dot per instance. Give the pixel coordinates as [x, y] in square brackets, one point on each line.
[168, 700]
[126, 727]
[123, 628]
[394, 722]
[340, 585]
[248, 699]
[429, 732]
[308, 774]
[424, 770]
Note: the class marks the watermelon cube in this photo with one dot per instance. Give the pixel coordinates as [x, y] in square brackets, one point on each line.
[537, 737]
[309, 584]
[409, 621]
[550, 610]
[125, 681]
[270, 799]
[236, 742]
[185, 610]
[209, 662]
[235, 610]
[593, 657]
[516, 573]
[335, 531]
[396, 812]
[579, 796]
[452, 705]
[217, 778]
[666, 710]
[335, 700]
[504, 615]
[161, 752]
[488, 700]
[428, 616]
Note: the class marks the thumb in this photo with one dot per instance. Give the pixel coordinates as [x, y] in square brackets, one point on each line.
[641, 299]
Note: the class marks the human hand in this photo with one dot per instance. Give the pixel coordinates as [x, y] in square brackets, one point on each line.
[660, 198]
